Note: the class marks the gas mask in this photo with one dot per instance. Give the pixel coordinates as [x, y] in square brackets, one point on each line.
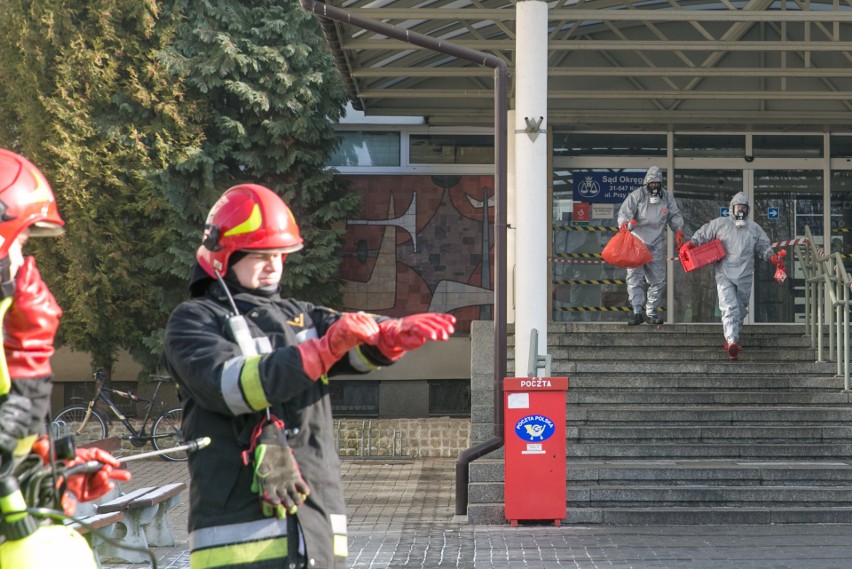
[654, 189]
[740, 215]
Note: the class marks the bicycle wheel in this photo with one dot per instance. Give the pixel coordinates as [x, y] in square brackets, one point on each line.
[69, 421]
[167, 434]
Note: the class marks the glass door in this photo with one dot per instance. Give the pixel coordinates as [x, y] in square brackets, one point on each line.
[784, 202]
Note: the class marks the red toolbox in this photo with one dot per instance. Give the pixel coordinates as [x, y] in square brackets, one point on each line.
[702, 255]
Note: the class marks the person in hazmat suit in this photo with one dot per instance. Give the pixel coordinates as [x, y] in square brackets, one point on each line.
[646, 211]
[741, 239]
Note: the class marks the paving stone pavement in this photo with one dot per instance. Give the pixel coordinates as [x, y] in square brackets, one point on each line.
[401, 514]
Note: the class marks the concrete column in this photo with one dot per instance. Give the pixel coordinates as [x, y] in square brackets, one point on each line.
[511, 217]
[532, 218]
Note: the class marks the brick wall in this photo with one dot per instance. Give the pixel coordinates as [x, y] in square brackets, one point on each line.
[416, 438]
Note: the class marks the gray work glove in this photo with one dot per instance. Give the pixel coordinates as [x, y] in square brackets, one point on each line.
[15, 419]
[277, 478]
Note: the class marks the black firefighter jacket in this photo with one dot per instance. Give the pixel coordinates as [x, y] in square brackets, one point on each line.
[226, 394]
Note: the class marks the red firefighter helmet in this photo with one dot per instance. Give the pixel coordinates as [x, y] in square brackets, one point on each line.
[26, 201]
[246, 217]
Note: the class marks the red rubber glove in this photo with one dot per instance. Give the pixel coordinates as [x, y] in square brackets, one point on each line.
[401, 335]
[776, 258]
[91, 486]
[780, 269]
[679, 238]
[30, 325]
[84, 487]
[352, 330]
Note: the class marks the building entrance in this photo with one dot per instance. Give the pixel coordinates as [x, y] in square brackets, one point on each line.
[784, 202]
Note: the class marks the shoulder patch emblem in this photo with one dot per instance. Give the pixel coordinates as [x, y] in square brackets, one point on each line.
[298, 321]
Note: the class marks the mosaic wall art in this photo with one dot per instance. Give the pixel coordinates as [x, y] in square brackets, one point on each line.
[421, 243]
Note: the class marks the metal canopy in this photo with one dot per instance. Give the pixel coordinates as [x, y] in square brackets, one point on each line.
[762, 64]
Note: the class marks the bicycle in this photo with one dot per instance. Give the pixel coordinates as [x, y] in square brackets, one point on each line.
[88, 424]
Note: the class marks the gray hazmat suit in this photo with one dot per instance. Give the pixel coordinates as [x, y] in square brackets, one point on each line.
[652, 219]
[735, 273]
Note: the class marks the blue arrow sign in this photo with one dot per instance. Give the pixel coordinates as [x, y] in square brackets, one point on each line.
[773, 213]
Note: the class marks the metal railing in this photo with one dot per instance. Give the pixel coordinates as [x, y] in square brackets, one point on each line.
[827, 303]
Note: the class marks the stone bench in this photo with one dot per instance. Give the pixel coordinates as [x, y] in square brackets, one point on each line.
[145, 521]
[97, 527]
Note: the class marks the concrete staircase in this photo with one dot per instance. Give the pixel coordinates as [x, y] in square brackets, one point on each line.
[663, 429]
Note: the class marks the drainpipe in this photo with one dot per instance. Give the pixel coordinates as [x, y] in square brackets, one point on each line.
[500, 134]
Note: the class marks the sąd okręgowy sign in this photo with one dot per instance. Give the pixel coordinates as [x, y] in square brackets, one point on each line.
[604, 187]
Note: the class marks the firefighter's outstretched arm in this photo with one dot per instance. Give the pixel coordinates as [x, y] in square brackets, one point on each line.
[400, 335]
[350, 331]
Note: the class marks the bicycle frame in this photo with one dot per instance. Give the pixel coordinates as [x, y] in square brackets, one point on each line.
[136, 437]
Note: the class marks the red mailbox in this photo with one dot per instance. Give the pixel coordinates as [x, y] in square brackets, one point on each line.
[534, 463]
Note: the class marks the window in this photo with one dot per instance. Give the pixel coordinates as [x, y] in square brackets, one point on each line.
[608, 144]
[451, 149]
[787, 146]
[354, 398]
[717, 145]
[449, 397]
[367, 148]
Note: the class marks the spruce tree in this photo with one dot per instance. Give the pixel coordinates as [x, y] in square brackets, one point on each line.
[103, 120]
[270, 91]
[140, 114]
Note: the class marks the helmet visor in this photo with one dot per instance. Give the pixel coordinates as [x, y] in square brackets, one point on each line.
[45, 229]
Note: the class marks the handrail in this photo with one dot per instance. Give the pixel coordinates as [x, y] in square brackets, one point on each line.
[826, 278]
[842, 285]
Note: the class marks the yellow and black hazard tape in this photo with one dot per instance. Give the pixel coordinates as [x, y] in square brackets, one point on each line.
[584, 228]
[841, 229]
[589, 282]
[592, 309]
[576, 256]
[597, 309]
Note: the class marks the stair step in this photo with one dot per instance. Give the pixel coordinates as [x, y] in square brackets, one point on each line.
[696, 397]
[746, 450]
[723, 366]
[695, 414]
[662, 428]
[677, 339]
[709, 434]
[679, 471]
[710, 515]
[715, 382]
[646, 353]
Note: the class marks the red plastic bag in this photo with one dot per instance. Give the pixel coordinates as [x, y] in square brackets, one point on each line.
[627, 251]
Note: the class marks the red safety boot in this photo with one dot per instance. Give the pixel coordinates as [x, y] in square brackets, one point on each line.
[733, 351]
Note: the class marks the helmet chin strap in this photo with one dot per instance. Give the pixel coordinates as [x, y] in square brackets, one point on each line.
[7, 283]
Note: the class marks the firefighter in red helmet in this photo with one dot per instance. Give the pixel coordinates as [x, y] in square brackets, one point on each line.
[253, 369]
[30, 320]
[30, 313]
